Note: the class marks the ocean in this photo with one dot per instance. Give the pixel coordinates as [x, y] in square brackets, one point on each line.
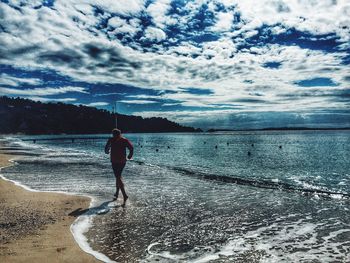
[262, 196]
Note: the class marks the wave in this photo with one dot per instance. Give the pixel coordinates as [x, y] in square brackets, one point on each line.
[60, 162]
[22, 153]
[266, 184]
[258, 183]
[12, 148]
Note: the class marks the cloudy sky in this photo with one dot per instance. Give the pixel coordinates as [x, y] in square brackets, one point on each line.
[221, 63]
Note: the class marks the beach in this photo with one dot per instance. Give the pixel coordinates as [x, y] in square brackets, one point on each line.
[35, 227]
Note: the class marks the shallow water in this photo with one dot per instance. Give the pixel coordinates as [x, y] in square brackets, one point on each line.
[191, 201]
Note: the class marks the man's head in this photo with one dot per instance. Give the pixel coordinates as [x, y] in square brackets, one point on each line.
[116, 132]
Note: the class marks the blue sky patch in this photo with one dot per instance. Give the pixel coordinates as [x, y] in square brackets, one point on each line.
[325, 42]
[198, 91]
[317, 82]
[273, 65]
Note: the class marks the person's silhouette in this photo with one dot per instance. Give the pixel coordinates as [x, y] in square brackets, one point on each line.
[116, 146]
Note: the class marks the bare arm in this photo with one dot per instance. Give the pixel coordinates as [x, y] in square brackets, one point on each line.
[131, 149]
[108, 146]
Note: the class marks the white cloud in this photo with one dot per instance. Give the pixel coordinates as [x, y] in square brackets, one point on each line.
[189, 117]
[143, 96]
[8, 80]
[42, 99]
[122, 26]
[155, 34]
[137, 101]
[158, 10]
[224, 22]
[223, 48]
[98, 104]
[132, 7]
[317, 17]
[116, 22]
[31, 3]
[41, 91]
[185, 50]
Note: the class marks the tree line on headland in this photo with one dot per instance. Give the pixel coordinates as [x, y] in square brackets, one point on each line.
[18, 115]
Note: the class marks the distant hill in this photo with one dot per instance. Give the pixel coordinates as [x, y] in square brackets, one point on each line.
[25, 116]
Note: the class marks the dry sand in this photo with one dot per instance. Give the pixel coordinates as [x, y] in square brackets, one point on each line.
[35, 227]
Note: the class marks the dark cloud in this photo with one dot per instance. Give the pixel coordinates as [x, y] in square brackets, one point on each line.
[98, 56]
[6, 53]
[332, 95]
[108, 57]
[282, 7]
[259, 120]
[258, 94]
[329, 69]
[67, 57]
[250, 100]
[259, 88]
[93, 51]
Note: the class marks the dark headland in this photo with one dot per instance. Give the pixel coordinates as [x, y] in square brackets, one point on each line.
[18, 115]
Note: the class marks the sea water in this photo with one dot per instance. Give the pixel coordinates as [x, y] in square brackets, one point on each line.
[266, 196]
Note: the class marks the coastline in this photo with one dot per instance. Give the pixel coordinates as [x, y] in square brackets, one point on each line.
[36, 226]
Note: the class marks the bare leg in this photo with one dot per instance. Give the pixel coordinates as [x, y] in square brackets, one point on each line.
[121, 186]
[117, 189]
[117, 169]
[116, 186]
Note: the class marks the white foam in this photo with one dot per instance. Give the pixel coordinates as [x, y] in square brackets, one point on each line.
[24, 144]
[275, 242]
[336, 196]
[80, 226]
[13, 161]
[163, 254]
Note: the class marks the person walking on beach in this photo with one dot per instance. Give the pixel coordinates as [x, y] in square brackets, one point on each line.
[116, 146]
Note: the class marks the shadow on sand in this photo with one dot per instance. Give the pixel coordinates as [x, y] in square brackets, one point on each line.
[101, 209]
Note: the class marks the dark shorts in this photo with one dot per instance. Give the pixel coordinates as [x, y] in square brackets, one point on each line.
[118, 168]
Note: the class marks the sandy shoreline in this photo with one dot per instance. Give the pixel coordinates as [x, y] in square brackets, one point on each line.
[35, 227]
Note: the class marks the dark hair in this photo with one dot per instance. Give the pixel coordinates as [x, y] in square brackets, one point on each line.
[116, 132]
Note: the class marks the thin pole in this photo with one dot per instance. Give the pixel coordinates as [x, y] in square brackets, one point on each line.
[116, 115]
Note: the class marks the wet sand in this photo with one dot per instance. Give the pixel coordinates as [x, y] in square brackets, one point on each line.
[35, 227]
